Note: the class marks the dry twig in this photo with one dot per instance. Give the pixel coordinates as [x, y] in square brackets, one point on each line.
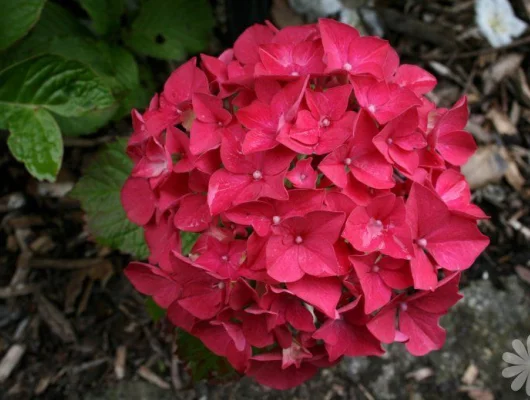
[150, 376]
[480, 52]
[119, 362]
[11, 360]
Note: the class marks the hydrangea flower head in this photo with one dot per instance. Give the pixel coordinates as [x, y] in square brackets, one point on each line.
[326, 194]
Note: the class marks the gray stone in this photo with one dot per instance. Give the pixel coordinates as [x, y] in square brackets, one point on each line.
[480, 328]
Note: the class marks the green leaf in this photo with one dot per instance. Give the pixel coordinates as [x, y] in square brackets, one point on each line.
[154, 310]
[87, 123]
[94, 54]
[55, 22]
[124, 68]
[188, 240]
[138, 97]
[60, 33]
[202, 363]
[65, 87]
[17, 18]
[35, 140]
[105, 14]
[99, 193]
[169, 29]
[114, 65]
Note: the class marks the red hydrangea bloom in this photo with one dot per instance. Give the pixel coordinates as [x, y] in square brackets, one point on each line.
[325, 192]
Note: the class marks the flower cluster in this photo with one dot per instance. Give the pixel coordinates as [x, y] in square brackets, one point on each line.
[326, 192]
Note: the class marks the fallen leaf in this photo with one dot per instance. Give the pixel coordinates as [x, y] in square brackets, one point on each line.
[504, 67]
[514, 177]
[523, 272]
[502, 122]
[470, 374]
[520, 87]
[480, 394]
[420, 374]
[479, 133]
[487, 165]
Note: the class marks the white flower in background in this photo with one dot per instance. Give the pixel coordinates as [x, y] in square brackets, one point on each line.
[520, 365]
[497, 21]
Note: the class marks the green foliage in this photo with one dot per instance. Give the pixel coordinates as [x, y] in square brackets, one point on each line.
[64, 87]
[188, 240]
[99, 193]
[170, 29]
[154, 310]
[62, 74]
[17, 18]
[36, 141]
[105, 14]
[201, 362]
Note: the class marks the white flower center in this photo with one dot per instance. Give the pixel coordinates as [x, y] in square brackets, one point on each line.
[497, 24]
[257, 175]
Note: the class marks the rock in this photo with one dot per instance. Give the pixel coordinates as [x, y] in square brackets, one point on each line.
[480, 328]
